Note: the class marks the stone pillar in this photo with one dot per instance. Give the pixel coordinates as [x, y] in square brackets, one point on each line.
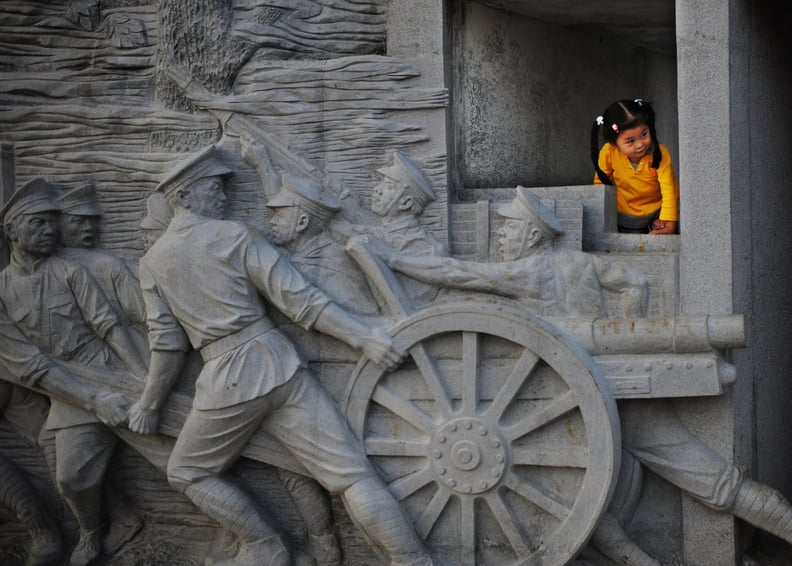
[707, 228]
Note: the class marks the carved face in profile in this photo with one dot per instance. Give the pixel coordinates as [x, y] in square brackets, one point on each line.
[386, 195]
[516, 238]
[206, 197]
[283, 224]
[79, 231]
[35, 234]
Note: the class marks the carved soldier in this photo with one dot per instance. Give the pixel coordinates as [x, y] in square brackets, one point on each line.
[27, 366]
[80, 218]
[62, 311]
[556, 283]
[208, 283]
[399, 198]
[548, 281]
[301, 211]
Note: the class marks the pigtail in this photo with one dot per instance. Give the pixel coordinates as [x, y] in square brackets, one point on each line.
[604, 179]
[650, 116]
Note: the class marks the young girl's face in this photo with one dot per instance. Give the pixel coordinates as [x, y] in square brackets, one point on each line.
[634, 142]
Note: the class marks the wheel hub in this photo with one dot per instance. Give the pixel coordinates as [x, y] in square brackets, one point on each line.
[468, 455]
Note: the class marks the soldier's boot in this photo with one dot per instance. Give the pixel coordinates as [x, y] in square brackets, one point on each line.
[18, 495]
[313, 505]
[88, 548]
[422, 561]
[375, 510]
[265, 552]
[764, 507]
[611, 540]
[46, 548]
[232, 508]
[124, 522]
[325, 549]
[86, 506]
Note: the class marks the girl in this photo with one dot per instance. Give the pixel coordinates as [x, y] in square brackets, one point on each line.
[647, 191]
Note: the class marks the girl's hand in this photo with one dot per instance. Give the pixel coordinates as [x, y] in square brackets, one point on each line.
[665, 227]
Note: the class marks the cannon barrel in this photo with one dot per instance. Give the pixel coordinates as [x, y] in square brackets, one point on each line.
[666, 335]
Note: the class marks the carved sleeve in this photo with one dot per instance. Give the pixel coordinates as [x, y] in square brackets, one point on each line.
[282, 284]
[25, 362]
[165, 332]
[93, 303]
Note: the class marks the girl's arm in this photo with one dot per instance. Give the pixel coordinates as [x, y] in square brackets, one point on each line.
[669, 189]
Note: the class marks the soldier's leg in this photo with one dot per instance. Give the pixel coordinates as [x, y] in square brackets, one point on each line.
[83, 455]
[19, 496]
[309, 423]
[209, 443]
[654, 434]
[316, 511]
[763, 507]
[611, 540]
[27, 412]
[123, 522]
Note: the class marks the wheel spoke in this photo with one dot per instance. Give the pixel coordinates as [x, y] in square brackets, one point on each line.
[470, 370]
[507, 523]
[538, 498]
[391, 447]
[565, 457]
[520, 372]
[432, 377]
[560, 406]
[409, 484]
[403, 408]
[467, 531]
[432, 512]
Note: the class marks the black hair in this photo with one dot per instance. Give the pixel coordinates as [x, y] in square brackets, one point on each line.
[619, 116]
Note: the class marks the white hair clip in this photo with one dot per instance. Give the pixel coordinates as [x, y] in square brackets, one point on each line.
[600, 120]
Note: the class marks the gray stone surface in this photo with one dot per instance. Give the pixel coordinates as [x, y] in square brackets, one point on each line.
[480, 96]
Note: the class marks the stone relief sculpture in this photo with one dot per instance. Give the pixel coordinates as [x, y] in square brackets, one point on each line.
[547, 281]
[301, 212]
[17, 494]
[494, 405]
[556, 283]
[79, 236]
[27, 412]
[61, 310]
[252, 375]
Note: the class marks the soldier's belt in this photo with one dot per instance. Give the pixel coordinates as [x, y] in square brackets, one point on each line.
[231, 341]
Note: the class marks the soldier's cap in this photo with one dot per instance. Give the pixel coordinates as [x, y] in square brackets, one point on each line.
[80, 201]
[404, 170]
[158, 213]
[32, 197]
[205, 163]
[306, 193]
[527, 206]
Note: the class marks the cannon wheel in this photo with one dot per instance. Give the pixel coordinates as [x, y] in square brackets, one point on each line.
[497, 435]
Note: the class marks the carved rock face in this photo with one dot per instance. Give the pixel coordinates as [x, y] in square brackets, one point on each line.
[385, 196]
[206, 197]
[283, 224]
[36, 234]
[79, 231]
[511, 239]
